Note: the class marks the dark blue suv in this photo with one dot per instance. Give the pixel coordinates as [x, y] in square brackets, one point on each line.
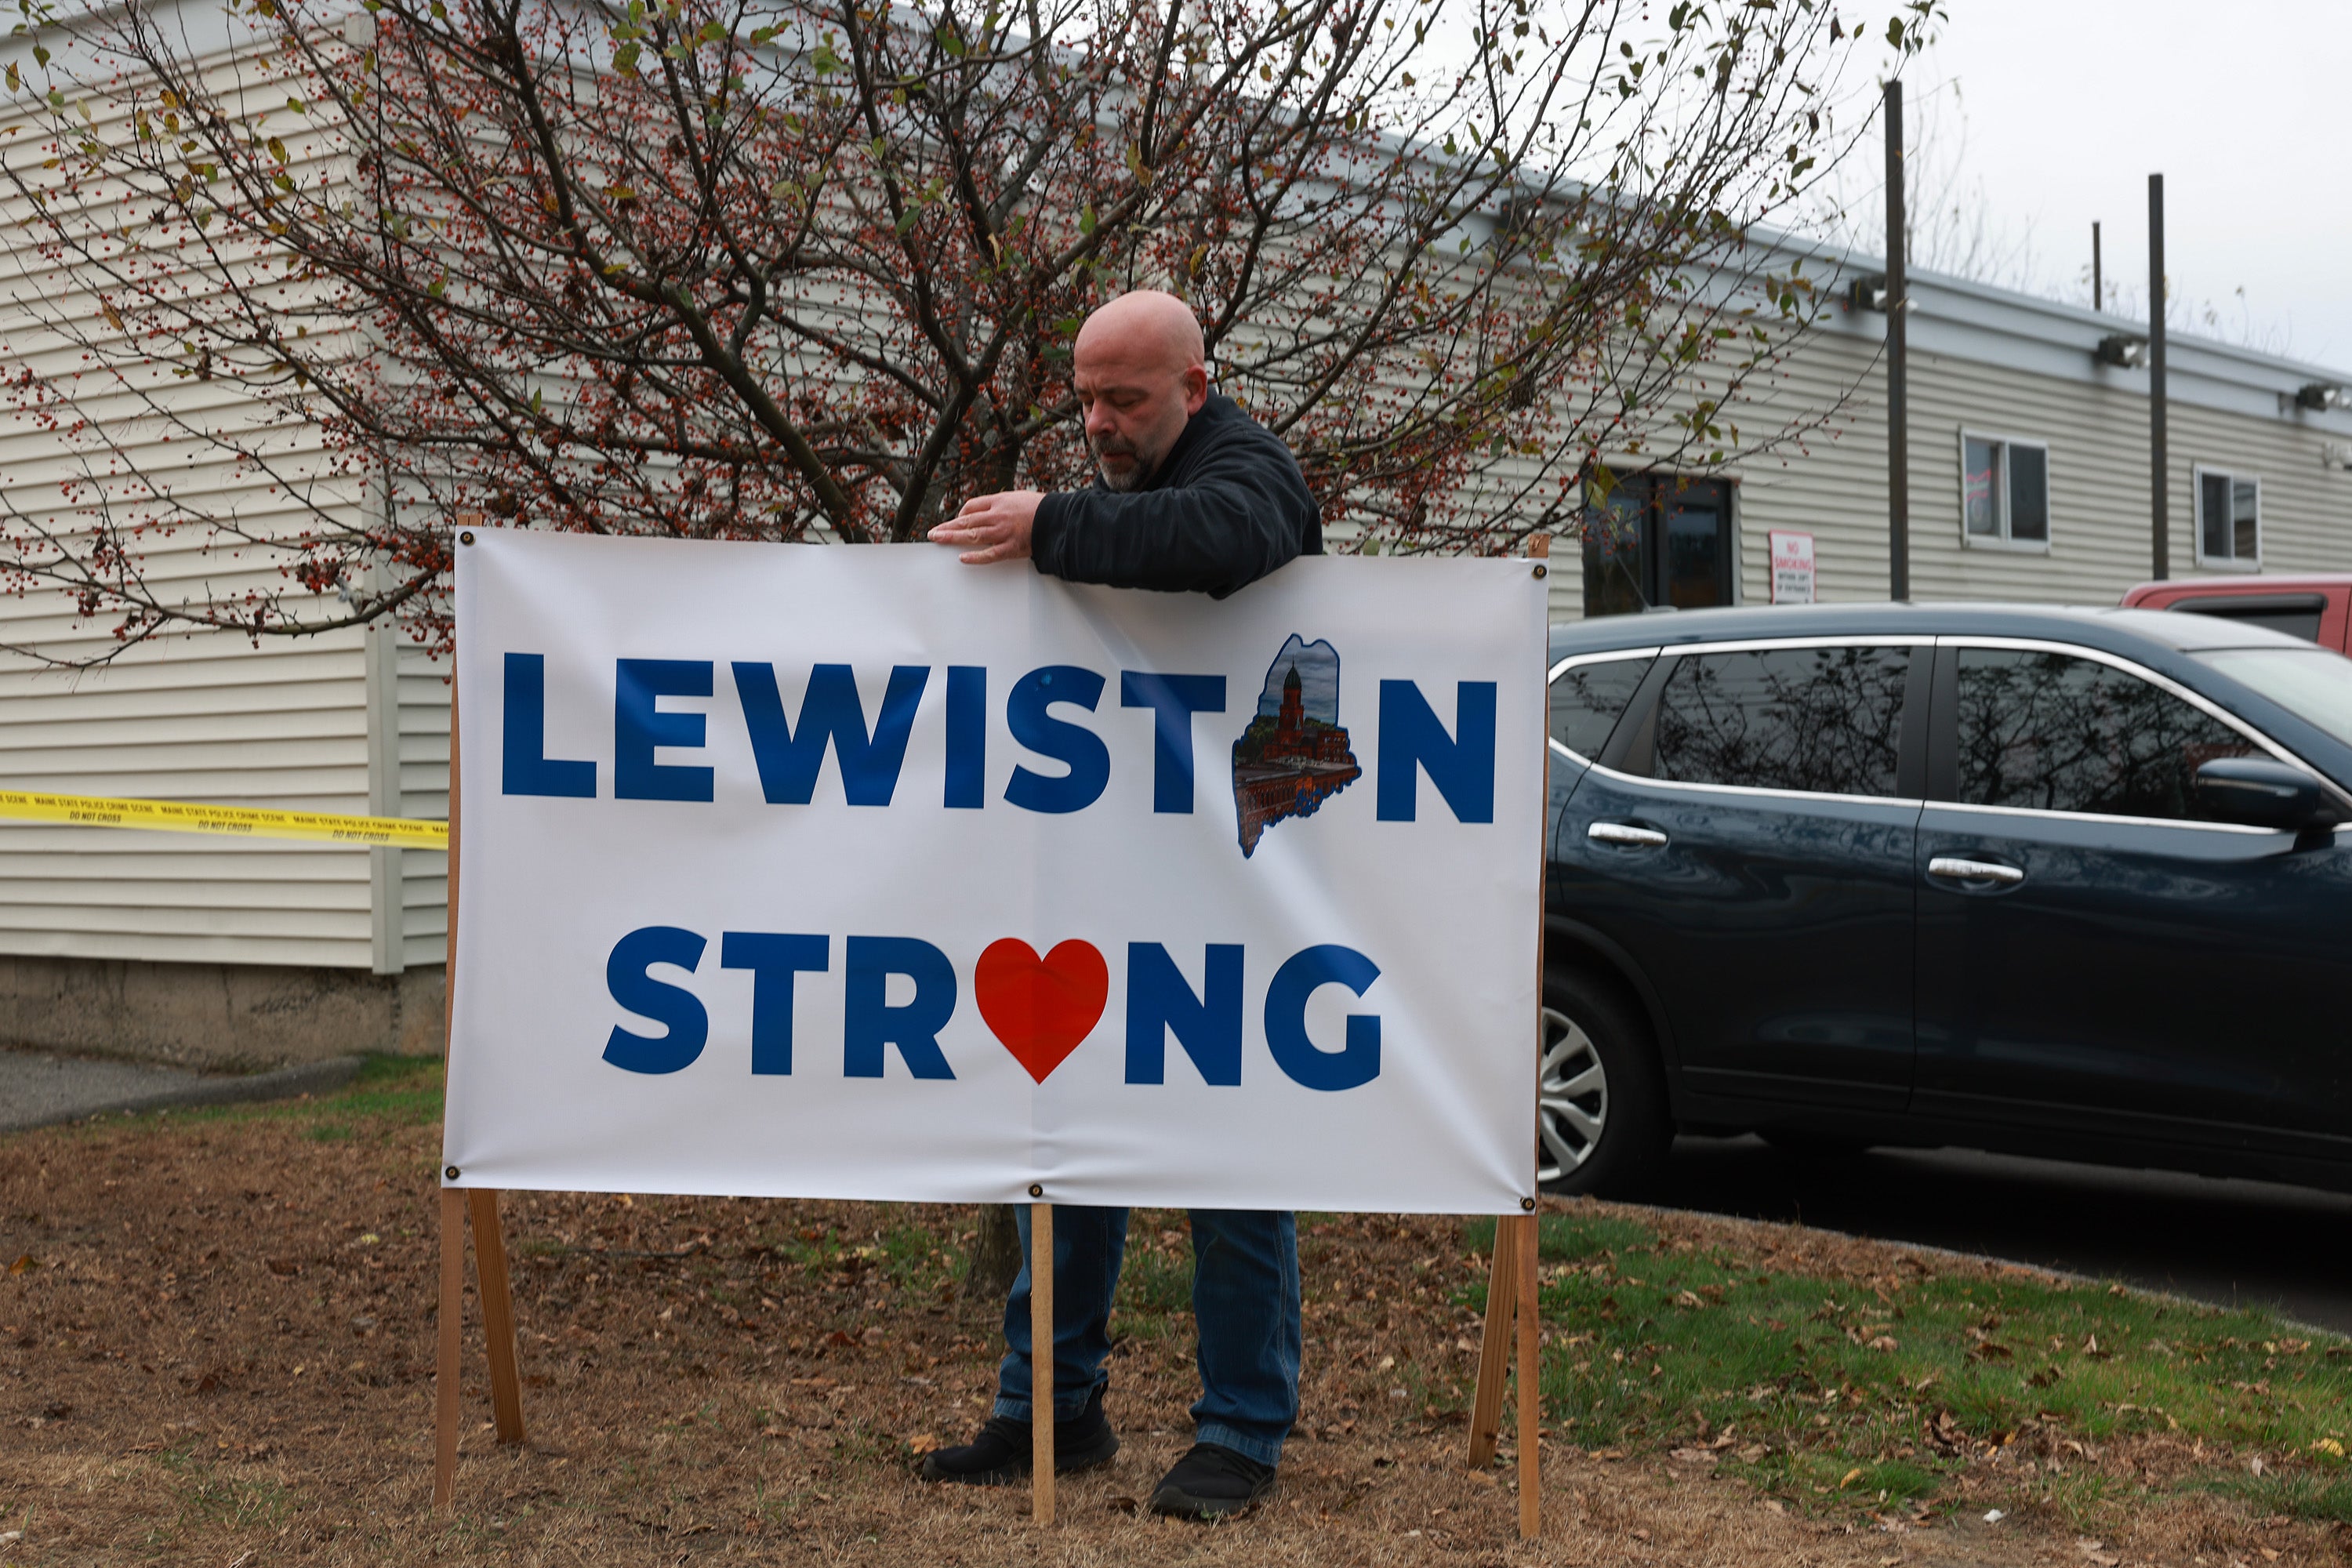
[2073, 883]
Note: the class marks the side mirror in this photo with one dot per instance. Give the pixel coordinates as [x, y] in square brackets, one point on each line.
[2261, 792]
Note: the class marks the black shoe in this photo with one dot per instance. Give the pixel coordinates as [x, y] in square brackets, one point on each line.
[1211, 1482]
[1002, 1451]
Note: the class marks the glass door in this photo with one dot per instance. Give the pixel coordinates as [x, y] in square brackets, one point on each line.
[1655, 539]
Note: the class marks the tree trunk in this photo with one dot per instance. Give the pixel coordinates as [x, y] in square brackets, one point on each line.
[995, 1256]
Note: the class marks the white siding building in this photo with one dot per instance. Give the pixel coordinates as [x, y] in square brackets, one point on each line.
[2013, 390]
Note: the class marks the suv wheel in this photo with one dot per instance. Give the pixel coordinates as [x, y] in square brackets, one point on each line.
[1600, 1122]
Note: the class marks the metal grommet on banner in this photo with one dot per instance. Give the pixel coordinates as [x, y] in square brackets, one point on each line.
[450, 1172]
[466, 537]
[1526, 1204]
[1036, 1189]
[1543, 570]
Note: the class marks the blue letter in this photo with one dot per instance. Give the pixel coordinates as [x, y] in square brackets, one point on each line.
[832, 711]
[773, 959]
[868, 1024]
[1174, 699]
[967, 735]
[1462, 766]
[1088, 759]
[1285, 1018]
[529, 770]
[640, 993]
[638, 727]
[1208, 1026]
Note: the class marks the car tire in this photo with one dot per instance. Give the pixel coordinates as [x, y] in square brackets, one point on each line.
[1601, 1123]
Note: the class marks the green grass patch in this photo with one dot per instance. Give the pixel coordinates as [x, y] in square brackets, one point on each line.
[1156, 1279]
[2300, 1494]
[389, 1092]
[1882, 1393]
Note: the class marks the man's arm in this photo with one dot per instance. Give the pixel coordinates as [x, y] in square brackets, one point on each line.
[1245, 513]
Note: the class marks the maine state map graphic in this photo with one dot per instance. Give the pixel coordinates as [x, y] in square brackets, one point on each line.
[1294, 755]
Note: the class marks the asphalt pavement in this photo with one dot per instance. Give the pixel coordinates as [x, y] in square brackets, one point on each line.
[38, 1089]
[2234, 1243]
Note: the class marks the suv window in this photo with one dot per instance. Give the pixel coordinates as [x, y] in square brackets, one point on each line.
[2062, 734]
[1586, 700]
[2296, 615]
[1818, 718]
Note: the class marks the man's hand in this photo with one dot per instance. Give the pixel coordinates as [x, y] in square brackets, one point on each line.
[991, 528]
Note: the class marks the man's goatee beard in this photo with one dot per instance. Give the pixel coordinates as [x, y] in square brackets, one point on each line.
[1133, 479]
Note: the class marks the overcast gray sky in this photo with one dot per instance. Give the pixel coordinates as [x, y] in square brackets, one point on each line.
[2242, 104]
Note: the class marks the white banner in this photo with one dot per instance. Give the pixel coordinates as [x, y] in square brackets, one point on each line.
[858, 872]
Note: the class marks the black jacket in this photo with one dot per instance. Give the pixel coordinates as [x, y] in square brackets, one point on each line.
[1226, 507]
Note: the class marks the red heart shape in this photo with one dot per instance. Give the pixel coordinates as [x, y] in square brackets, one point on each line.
[1041, 1007]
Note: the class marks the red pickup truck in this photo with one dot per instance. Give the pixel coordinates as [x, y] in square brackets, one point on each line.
[2317, 605]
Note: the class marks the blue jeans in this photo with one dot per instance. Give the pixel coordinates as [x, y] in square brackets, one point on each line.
[1245, 1303]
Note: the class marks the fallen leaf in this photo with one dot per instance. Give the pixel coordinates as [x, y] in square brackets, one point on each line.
[1883, 1342]
[925, 1442]
[24, 1263]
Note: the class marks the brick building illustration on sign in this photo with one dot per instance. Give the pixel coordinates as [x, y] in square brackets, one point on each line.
[1294, 755]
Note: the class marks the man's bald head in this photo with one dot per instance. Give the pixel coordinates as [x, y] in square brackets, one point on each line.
[1139, 366]
[1147, 322]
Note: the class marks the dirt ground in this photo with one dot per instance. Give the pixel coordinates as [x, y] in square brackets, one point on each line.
[217, 1347]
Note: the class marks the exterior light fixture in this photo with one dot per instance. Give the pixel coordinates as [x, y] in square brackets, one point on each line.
[1870, 294]
[2321, 396]
[2123, 350]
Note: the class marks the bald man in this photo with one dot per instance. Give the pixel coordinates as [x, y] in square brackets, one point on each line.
[1189, 493]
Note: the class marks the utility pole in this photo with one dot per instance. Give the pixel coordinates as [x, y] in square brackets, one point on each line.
[2098, 290]
[2160, 512]
[1898, 401]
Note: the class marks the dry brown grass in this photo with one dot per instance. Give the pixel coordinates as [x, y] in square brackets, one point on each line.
[220, 1352]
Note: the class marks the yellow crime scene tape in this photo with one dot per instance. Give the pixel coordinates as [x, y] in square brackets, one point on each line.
[236, 821]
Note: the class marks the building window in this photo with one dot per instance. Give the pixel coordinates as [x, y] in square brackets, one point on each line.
[1658, 539]
[2229, 519]
[2004, 491]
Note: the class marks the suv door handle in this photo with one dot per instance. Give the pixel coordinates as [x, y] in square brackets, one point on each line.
[1627, 834]
[1957, 869]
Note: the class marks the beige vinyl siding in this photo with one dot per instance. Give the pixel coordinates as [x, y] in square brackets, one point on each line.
[2098, 440]
[424, 758]
[200, 718]
[1830, 481]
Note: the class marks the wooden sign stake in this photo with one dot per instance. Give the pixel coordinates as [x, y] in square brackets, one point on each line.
[1041, 1363]
[1494, 1344]
[1530, 1387]
[489, 1240]
[1511, 1303]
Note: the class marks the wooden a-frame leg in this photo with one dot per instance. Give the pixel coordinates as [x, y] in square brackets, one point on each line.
[1530, 1391]
[1041, 1362]
[445, 1370]
[1495, 1343]
[498, 1312]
